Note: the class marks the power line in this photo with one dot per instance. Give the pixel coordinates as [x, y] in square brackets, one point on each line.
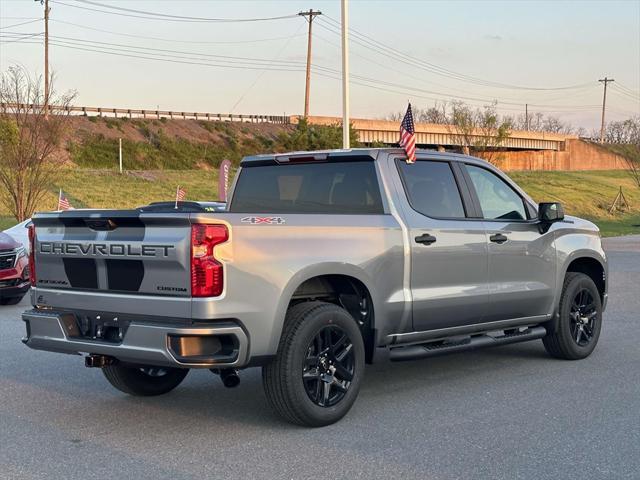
[256, 64]
[174, 40]
[397, 55]
[20, 38]
[625, 96]
[151, 50]
[165, 17]
[262, 72]
[627, 93]
[419, 95]
[172, 58]
[20, 24]
[404, 73]
[627, 89]
[179, 54]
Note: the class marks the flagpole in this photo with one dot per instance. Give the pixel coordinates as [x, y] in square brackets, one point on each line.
[345, 74]
[177, 190]
[59, 197]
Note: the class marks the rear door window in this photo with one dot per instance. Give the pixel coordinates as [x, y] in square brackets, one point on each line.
[330, 187]
[432, 189]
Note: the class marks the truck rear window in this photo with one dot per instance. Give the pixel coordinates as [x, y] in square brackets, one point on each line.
[334, 188]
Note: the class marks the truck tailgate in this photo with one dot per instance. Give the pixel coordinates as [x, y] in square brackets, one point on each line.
[122, 252]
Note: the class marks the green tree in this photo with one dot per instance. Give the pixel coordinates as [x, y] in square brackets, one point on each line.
[316, 137]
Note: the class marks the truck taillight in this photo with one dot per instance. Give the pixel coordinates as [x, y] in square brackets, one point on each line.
[32, 254]
[207, 279]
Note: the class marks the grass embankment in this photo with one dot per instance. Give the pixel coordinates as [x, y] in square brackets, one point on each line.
[162, 144]
[588, 195]
[585, 194]
[158, 144]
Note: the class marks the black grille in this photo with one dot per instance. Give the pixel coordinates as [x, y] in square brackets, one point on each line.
[7, 261]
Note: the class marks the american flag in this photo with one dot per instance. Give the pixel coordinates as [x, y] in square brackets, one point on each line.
[408, 135]
[180, 194]
[63, 202]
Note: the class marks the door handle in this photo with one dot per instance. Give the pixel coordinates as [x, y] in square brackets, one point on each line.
[425, 239]
[498, 238]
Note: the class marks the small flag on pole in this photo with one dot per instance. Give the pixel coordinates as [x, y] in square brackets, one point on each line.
[408, 136]
[180, 195]
[63, 202]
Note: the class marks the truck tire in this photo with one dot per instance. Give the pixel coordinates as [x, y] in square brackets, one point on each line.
[580, 319]
[144, 381]
[316, 375]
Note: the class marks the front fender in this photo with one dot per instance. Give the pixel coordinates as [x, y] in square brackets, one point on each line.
[572, 244]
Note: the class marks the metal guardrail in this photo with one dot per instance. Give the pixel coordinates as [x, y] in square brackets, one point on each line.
[143, 113]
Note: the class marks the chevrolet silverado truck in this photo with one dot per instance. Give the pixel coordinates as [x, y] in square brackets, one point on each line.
[321, 263]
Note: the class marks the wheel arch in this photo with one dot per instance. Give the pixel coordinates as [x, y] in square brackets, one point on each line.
[593, 267]
[342, 284]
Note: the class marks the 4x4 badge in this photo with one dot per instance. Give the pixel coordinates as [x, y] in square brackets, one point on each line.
[265, 220]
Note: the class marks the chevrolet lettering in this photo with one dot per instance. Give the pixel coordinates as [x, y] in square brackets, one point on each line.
[104, 249]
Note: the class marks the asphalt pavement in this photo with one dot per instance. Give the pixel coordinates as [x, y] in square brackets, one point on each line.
[504, 413]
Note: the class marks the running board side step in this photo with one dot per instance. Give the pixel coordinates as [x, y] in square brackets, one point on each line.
[432, 349]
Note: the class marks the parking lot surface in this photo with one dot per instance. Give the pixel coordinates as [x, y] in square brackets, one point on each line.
[504, 413]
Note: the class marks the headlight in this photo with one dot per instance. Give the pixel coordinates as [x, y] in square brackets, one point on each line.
[20, 253]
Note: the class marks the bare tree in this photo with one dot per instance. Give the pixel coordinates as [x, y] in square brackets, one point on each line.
[539, 122]
[435, 115]
[623, 137]
[28, 138]
[632, 164]
[479, 130]
[624, 131]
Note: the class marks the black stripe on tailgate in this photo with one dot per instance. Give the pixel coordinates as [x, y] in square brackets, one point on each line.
[81, 272]
[126, 275]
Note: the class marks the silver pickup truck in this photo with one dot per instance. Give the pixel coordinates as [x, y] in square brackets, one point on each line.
[323, 261]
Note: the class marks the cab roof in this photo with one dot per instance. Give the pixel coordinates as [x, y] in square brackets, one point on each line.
[346, 154]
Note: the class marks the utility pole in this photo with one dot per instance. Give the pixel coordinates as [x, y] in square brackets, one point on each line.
[46, 55]
[604, 80]
[345, 74]
[309, 16]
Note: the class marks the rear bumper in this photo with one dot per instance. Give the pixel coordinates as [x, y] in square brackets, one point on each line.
[144, 344]
[18, 290]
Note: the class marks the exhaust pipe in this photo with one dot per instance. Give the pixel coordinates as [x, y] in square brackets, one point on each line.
[98, 361]
[229, 377]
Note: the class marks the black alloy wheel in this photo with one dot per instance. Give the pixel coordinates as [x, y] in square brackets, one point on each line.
[576, 330]
[583, 315]
[329, 366]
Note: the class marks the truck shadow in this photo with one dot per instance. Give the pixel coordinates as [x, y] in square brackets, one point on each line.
[204, 398]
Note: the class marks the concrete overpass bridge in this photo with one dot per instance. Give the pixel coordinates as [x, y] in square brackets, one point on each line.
[385, 131]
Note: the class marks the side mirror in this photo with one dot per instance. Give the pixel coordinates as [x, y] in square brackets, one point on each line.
[548, 213]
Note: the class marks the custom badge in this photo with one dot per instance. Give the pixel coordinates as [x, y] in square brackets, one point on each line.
[263, 220]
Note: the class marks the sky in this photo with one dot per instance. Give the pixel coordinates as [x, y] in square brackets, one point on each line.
[548, 54]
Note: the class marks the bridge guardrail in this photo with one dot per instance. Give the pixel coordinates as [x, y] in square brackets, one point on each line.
[144, 113]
